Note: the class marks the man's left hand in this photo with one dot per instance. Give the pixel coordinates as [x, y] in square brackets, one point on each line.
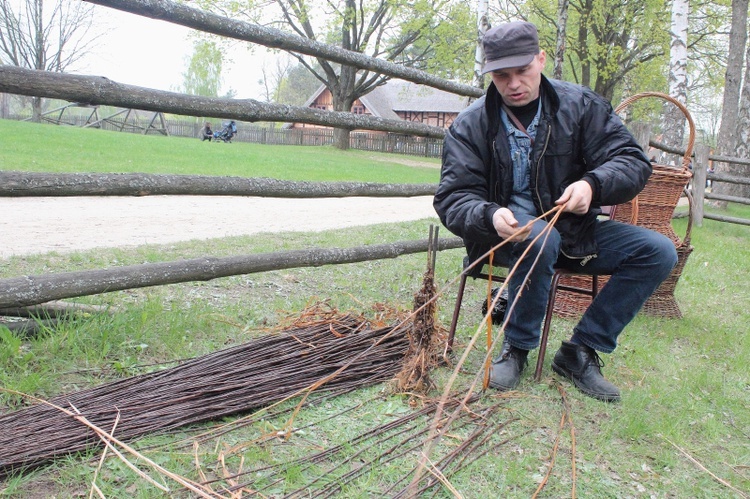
[577, 197]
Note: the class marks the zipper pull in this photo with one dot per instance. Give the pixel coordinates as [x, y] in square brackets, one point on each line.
[587, 259]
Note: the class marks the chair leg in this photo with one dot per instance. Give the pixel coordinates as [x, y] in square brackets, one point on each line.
[547, 324]
[456, 312]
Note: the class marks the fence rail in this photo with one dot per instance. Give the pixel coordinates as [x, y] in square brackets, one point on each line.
[703, 181]
[425, 147]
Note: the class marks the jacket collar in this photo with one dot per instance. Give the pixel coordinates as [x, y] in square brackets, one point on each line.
[550, 101]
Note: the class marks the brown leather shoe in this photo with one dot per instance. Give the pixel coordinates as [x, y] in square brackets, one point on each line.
[582, 365]
[505, 372]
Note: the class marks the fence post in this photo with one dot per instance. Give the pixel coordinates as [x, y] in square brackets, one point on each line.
[699, 182]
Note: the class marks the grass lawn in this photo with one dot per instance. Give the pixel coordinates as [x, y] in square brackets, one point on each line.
[681, 430]
[47, 148]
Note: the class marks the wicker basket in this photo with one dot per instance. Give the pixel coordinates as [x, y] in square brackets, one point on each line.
[652, 208]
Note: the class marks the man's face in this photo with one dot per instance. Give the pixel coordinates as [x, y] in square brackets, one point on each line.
[519, 86]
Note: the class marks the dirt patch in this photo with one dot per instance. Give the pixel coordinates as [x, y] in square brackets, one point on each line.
[40, 225]
[406, 162]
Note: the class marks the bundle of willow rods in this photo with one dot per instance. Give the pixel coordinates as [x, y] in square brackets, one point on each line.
[424, 335]
[223, 383]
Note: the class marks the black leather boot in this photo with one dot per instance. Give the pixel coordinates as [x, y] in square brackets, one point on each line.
[505, 372]
[582, 365]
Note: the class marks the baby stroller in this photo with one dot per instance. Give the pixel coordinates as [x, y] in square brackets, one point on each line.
[228, 130]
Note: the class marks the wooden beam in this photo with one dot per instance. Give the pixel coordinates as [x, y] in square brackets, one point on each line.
[95, 90]
[31, 290]
[20, 184]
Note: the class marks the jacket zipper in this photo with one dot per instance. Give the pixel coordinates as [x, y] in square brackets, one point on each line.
[585, 259]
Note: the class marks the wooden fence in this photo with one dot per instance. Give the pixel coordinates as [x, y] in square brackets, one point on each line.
[704, 179]
[142, 122]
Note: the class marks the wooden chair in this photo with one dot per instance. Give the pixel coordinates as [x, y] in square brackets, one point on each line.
[478, 272]
[589, 288]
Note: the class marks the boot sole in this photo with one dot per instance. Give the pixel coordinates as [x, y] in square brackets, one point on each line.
[599, 396]
[501, 388]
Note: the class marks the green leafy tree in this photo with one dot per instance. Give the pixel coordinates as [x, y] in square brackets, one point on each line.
[203, 74]
[296, 86]
[622, 46]
[408, 32]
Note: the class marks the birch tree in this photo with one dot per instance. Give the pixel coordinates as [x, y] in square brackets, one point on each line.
[562, 27]
[483, 24]
[674, 119]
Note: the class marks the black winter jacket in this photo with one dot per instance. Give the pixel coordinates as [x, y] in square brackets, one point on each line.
[578, 137]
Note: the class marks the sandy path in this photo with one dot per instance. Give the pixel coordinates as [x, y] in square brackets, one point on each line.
[39, 225]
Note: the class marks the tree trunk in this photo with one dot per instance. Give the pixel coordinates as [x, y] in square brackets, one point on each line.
[726, 141]
[583, 34]
[22, 184]
[483, 24]
[4, 106]
[341, 138]
[342, 95]
[743, 141]
[36, 109]
[562, 26]
[674, 119]
[32, 290]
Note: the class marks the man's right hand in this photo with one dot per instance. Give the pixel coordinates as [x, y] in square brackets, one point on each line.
[506, 225]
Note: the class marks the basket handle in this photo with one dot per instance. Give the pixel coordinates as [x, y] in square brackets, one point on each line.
[689, 228]
[681, 106]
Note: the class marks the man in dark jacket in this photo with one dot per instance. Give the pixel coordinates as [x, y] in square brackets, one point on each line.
[531, 144]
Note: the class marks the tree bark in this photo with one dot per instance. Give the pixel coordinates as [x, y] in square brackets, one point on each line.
[742, 141]
[93, 90]
[54, 309]
[583, 34]
[24, 184]
[674, 119]
[562, 26]
[483, 24]
[727, 137]
[32, 290]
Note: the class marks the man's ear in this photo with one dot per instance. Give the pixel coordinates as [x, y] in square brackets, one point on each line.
[542, 58]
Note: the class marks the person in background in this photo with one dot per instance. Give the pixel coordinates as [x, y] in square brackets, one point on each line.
[206, 132]
[531, 144]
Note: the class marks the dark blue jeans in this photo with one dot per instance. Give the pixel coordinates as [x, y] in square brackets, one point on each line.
[637, 259]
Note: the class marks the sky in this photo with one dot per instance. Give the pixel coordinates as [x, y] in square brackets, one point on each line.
[150, 53]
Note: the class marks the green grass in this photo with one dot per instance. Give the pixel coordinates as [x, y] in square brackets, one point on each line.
[47, 148]
[685, 382]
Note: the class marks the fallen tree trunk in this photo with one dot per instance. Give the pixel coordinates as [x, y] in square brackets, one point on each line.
[17, 184]
[29, 328]
[54, 309]
[31, 290]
